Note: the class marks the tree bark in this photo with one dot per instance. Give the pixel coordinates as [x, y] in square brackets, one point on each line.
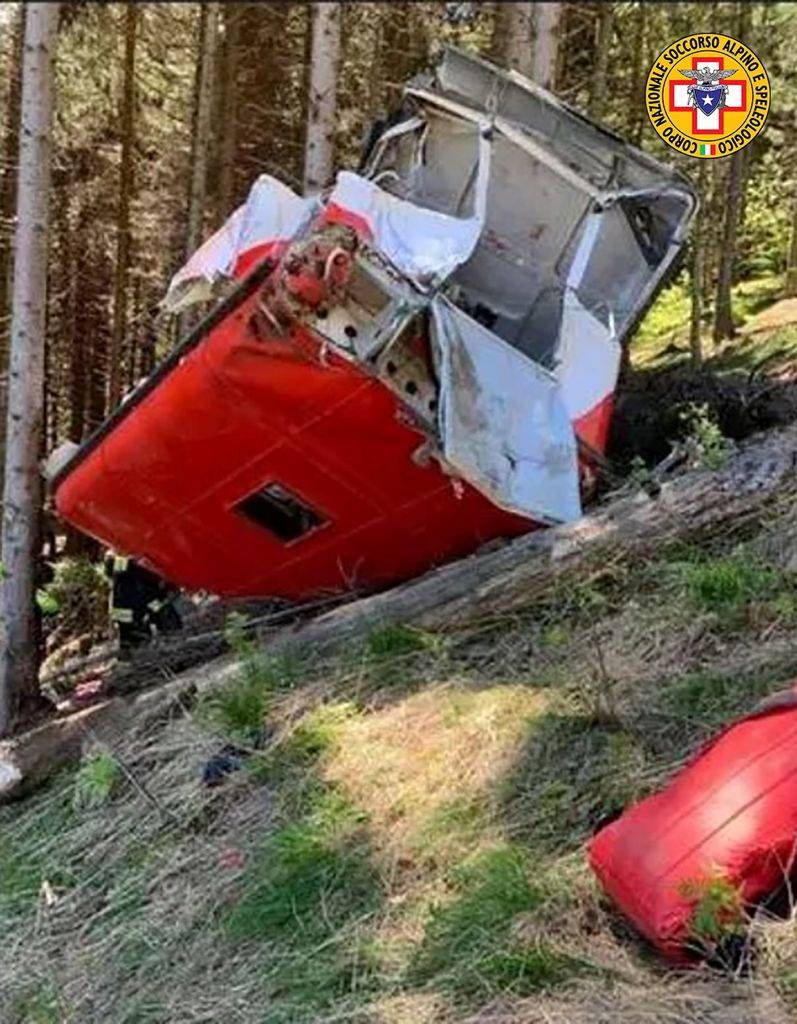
[8, 178]
[723, 311]
[698, 261]
[513, 30]
[546, 43]
[791, 265]
[204, 116]
[321, 119]
[598, 83]
[126, 180]
[19, 685]
[639, 70]
[228, 97]
[693, 507]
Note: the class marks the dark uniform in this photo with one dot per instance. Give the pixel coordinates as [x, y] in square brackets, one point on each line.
[140, 600]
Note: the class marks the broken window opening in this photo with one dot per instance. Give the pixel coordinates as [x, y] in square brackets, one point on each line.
[275, 509]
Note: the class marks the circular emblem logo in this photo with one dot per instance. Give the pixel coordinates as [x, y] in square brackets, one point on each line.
[707, 95]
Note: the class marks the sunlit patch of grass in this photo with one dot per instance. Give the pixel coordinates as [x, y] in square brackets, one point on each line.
[431, 758]
[663, 336]
[666, 323]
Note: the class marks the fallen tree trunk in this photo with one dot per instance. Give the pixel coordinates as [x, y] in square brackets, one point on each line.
[695, 506]
[759, 480]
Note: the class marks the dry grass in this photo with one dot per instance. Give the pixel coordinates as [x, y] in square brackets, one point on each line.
[425, 770]
[408, 846]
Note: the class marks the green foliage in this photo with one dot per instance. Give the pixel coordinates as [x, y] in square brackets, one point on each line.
[321, 859]
[710, 444]
[393, 640]
[736, 587]
[96, 780]
[78, 596]
[718, 908]
[725, 583]
[469, 948]
[47, 603]
[319, 729]
[239, 707]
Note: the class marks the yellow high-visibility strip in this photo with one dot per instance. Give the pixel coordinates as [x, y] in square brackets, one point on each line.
[120, 563]
[122, 614]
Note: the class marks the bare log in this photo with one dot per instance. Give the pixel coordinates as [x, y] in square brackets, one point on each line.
[696, 506]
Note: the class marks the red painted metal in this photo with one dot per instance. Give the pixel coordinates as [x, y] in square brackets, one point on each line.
[238, 413]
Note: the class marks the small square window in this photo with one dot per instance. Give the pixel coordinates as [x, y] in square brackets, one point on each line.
[280, 512]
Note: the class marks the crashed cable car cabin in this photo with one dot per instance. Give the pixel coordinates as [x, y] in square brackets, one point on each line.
[417, 362]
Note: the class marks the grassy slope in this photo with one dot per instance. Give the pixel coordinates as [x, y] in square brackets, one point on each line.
[663, 338]
[408, 845]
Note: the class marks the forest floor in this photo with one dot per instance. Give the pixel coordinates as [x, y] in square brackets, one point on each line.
[405, 842]
[767, 325]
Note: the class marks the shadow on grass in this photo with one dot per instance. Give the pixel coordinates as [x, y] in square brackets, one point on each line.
[471, 948]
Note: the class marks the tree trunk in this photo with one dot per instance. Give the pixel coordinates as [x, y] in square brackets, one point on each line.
[19, 685]
[791, 266]
[513, 29]
[228, 96]
[598, 83]
[723, 312]
[79, 350]
[639, 71]
[204, 117]
[322, 115]
[546, 43]
[486, 587]
[126, 179]
[698, 260]
[8, 178]
[8, 197]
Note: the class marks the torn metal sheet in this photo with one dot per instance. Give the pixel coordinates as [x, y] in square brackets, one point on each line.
[503, 424]
[415, 362]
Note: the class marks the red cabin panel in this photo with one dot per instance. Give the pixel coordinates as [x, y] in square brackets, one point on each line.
[237, 414]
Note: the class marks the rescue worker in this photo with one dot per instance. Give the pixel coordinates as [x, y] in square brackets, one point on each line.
[140, 600]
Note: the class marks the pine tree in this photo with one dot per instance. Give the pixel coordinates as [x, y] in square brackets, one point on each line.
[19, 687]
[126, 179]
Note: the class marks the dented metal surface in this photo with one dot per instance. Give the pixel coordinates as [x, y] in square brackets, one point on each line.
[484, 268]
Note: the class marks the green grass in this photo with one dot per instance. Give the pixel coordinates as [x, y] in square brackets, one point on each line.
[308, 889]
[738, 590]
[96, 780]
[238, 709]
[408, 845]
[710, 700]
[469, 948]
[663, 337]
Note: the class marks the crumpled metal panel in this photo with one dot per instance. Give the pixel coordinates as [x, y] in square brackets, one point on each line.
[503, 423]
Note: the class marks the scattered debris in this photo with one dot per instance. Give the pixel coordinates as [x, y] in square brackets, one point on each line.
[688, 864]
